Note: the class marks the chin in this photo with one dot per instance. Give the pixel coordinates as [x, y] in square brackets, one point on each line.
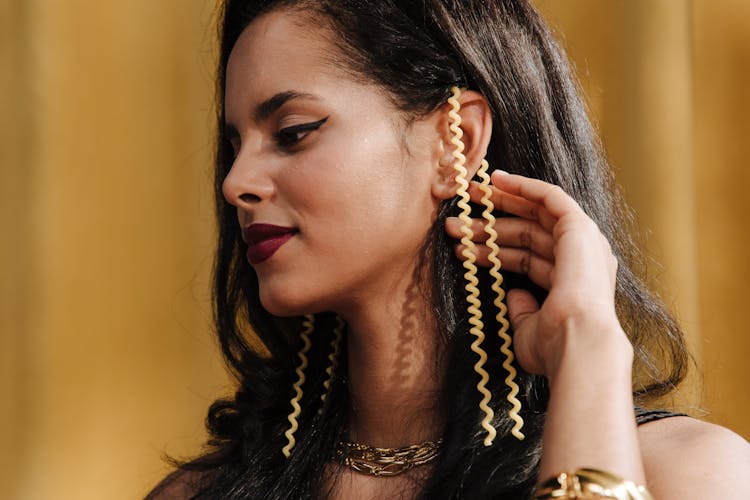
[284, 304]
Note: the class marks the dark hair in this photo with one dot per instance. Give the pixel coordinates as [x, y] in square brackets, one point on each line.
[416, 50]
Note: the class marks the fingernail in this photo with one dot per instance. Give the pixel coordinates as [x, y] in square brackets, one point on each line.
[499, 171]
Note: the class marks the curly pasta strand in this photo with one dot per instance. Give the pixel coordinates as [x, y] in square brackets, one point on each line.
[338, 333]
[308, 325]
[469, 264]
[499, 301]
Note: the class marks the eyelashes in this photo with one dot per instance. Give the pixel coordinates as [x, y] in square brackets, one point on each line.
[290, 136]
[286, 138]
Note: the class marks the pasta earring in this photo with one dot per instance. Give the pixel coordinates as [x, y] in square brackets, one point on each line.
[338, 333]
[470, 275]
[308, 325]
[499, 300]
[472, 281]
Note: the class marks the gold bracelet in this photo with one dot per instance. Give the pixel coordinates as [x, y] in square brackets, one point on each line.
[591, 484]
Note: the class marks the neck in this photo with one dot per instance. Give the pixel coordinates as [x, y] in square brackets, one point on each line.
[396, 366]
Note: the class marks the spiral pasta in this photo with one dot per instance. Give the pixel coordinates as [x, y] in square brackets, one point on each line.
[309, 325]
[502, 310]
[470, 275]
[338, 333]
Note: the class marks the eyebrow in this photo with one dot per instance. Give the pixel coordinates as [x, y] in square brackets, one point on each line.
[268, 107]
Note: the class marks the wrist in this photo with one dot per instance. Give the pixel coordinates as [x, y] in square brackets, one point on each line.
[593, 351]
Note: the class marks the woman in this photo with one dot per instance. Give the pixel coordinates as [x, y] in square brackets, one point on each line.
[337, 202]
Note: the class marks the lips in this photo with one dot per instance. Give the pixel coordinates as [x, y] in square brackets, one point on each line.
[263, 240]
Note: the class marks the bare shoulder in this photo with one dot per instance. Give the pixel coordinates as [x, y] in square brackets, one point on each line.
[179, 485]
[688, 459]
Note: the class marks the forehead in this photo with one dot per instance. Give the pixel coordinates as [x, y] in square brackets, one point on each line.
[273, 32]
[280, 49]
[287, 51]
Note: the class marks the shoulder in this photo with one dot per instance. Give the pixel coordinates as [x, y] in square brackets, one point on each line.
[179, 485]
[690, 459]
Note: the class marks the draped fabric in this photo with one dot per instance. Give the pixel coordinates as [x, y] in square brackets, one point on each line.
[106, 354]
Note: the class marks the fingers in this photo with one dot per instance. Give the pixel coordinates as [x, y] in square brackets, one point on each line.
[509, 203]
[550, 231]
[511, 232]
[550, 197]
[517, 260]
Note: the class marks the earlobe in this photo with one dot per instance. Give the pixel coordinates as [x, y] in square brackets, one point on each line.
[475, 131]
[444, 185]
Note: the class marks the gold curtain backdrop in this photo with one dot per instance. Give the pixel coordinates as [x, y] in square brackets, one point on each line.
[106, 354]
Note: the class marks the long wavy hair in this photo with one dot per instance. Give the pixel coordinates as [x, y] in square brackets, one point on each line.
[415, 50]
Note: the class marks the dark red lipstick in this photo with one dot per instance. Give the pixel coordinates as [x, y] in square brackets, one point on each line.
[264, 239]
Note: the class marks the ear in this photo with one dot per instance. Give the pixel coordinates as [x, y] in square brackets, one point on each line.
[476, 124]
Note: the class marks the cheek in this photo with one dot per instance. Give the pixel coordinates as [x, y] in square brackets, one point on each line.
[361, 168]
[360, 221]
[360, 198]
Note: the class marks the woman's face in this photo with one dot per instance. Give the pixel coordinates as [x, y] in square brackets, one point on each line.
[332, 190]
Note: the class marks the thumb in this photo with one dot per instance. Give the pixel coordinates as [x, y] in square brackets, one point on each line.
[521, 305]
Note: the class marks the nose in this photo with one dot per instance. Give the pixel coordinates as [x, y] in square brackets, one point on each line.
[247, 182]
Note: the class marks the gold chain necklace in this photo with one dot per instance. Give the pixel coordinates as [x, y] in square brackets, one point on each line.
[386, 461]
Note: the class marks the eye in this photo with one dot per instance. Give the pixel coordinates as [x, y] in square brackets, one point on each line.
[289, 136]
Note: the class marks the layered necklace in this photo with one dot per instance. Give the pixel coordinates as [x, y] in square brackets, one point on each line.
[375, 461]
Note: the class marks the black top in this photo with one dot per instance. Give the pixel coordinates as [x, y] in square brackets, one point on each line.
[644, 416]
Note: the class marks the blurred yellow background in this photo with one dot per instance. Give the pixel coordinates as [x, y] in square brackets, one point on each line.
[106, 353]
